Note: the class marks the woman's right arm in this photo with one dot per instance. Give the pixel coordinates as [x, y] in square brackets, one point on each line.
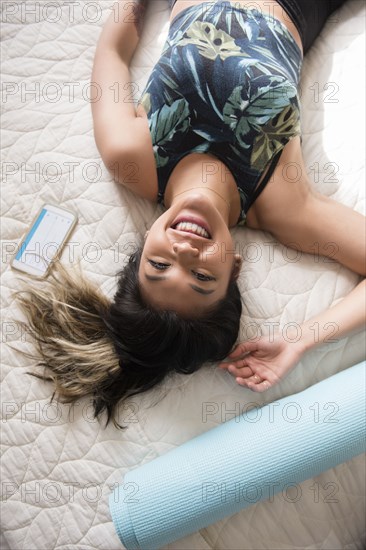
[122, 138]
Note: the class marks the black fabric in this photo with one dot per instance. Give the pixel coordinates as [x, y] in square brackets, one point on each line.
[309, 16]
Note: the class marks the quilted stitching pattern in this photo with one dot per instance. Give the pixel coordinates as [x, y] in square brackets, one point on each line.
[59, 465]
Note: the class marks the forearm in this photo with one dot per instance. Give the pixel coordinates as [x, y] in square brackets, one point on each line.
[260, 364]
[112, 101]
[336, 322]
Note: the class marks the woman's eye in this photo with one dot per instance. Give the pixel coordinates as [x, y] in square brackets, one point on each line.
[202, 277]
[158, 265]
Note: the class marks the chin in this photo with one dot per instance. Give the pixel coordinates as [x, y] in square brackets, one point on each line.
[195, 200]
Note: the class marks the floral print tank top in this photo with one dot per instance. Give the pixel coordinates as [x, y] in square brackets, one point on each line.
[225, 84]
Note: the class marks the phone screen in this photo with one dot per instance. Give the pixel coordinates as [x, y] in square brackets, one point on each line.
[44, 240]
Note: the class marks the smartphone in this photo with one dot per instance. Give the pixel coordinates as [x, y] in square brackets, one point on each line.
[44, 240]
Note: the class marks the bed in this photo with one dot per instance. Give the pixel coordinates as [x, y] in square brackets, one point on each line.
[59, 465]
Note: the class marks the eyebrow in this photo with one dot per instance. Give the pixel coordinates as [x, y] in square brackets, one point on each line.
[194, 287]
[201, 290]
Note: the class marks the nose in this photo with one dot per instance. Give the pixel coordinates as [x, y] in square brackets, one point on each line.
[185, 250]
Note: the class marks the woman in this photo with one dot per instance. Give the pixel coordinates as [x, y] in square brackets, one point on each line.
[214, 138]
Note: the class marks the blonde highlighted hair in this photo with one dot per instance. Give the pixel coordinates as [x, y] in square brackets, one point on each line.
[65, 317]
[112, 350]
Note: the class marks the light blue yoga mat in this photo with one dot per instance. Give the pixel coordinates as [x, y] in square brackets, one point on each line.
[242, 461]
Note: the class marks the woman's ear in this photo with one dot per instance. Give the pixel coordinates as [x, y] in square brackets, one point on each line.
[237, 266]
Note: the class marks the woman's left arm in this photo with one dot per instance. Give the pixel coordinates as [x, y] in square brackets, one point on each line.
[261, 364]
[307, 221]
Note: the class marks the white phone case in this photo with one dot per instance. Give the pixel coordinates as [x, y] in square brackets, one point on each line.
[44, 240]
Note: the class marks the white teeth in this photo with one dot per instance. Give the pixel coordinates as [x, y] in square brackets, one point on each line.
[192, 228]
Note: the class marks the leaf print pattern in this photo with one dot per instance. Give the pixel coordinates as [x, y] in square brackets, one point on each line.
[146, 102]
[225, 84]
[277, 132]
[167, 125]
[248, 111]
[210, 41]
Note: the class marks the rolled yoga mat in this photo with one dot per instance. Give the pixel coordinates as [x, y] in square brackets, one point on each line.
[242, 461]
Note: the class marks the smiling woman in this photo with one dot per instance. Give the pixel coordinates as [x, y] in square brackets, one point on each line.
[213, 135]
[188, 259]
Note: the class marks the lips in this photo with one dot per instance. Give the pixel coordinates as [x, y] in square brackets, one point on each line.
[192, 225]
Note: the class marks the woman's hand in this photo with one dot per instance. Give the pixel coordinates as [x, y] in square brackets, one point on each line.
[261, 364]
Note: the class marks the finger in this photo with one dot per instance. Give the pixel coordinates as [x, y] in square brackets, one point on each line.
[241, 382]
[260, 387]
[263, 386]
[256, 379]
[243, 372]
[225, 364]
[239, 364]
[245, 347]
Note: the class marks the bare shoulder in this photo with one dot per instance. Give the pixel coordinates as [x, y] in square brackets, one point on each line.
[285, 193]
[302, 218]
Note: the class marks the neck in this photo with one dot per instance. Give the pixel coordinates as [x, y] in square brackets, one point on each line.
[212, 178]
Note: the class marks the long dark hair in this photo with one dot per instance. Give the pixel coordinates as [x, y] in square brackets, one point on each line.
[114, 350]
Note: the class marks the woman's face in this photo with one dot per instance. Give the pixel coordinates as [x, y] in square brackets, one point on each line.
[188, 258]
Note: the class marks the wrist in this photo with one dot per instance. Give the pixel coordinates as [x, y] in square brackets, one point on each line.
[310, 336]
[298, 337]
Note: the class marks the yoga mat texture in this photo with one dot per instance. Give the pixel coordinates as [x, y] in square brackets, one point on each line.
[240, 462]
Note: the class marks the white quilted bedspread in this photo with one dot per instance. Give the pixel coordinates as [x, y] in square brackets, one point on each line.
[59, 464]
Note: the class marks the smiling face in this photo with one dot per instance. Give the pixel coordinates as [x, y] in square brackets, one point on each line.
[188, 258]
